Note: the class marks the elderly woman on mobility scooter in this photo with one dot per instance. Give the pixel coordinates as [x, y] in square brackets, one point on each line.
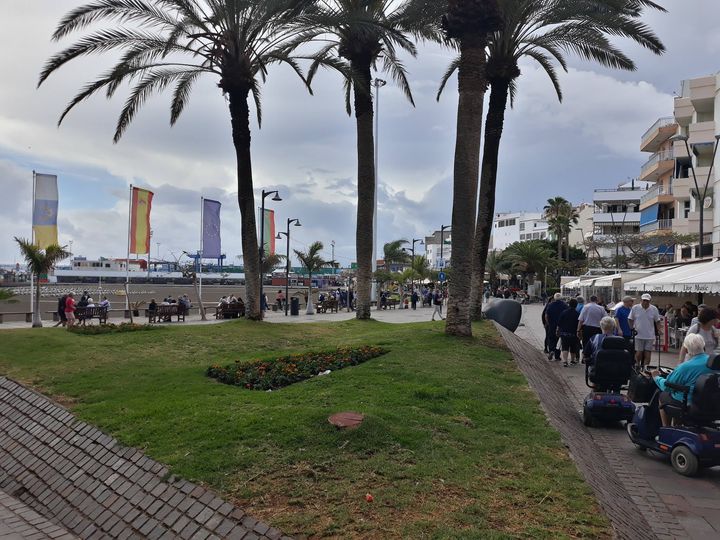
[684, 375]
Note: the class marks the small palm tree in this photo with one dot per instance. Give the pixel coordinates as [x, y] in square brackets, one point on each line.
[528, 258]
[270, 262]
[545, 31]
[40, 262]
[171, 43]
[558, 213]
[357, 37]
[311, 261]
[394, 253]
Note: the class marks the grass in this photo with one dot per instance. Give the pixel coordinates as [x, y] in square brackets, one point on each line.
[454, 444]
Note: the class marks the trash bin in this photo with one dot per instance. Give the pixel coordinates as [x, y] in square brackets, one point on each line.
[294, 306]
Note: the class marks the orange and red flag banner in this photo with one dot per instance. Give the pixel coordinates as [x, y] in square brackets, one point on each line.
[140, 221]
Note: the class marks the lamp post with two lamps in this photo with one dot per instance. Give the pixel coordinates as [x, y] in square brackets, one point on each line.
[699, 198]
[276, 198]
[378, 84]
[297, 223]
[412, 263]
[442, 239]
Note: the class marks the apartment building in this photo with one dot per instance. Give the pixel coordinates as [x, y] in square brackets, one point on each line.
[672, 204]
[509, 228]
[584, 228]
[437, 256]
[616, 213]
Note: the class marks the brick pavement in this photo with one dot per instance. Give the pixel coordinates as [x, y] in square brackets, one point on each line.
[674, 506]
[77, 476]
[20, 522]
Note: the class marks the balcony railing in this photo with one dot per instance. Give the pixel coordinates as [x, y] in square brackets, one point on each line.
[656, 192]
[661, 123]
[665, 224]
[665, 155]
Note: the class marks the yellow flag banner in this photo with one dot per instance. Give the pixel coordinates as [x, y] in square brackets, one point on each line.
[140, 221]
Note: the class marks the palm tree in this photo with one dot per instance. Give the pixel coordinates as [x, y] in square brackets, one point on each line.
[467, 24]
[172, 43]
[545, 31]
[557, 213]
[40, 262]
[270, 262]
[311, 261]
[528, 258]
[357, 37]
[394, 253]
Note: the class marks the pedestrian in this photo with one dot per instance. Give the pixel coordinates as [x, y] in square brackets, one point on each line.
[621, 318]
[279, 299]
[566, 331]
[70, 310]
[644, 319]
[62, 319]
[437, 299]
[589, 322]
[414, 299]
[551, 319]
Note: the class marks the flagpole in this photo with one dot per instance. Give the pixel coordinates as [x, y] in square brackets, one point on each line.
[202, 247]
[127, 260]
[32, 239]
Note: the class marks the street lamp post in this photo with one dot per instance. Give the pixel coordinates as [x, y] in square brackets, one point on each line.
[442, 239]
[262, 238]
[701, 200]
[628, 208]
[297, 223]
[378, 84]
[412, 262]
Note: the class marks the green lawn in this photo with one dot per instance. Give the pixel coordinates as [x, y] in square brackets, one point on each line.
[454, 444]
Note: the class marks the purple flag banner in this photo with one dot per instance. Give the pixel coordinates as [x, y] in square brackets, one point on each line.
[211, 229]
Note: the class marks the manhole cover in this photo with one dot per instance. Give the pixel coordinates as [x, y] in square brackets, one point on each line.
[346, 420]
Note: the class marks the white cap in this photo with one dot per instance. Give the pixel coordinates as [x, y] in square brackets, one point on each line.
[646, 296]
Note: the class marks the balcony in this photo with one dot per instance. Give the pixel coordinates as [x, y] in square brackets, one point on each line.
[658, 133]
[684, 110]
[630, 196]
[616, 218]
[659, 164]
[702, 132]
[655, 194]
[659, 225]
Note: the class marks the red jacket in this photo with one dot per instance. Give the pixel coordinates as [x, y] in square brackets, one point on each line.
[69, 304]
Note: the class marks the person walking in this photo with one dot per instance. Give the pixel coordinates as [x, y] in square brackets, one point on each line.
[621, 319]
[70, 310]
[62, 319]
[644, 319]
[551, 319]
[566, 331]
[437, 300]
[589, 322]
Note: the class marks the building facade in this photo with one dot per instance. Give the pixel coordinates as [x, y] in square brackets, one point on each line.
[583, 229]
[616, 214]
[433, 251]
[509, 228]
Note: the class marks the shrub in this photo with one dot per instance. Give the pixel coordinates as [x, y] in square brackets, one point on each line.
[273, 374]
[111, 328]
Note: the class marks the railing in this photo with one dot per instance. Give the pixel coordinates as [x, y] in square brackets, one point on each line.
[665, 224]
[656, 192]
[619, 189]
[665, 155]
[661, 123]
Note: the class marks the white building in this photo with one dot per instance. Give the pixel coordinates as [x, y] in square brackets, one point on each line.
[434, 253]
[584, 227]
[617, 212]
[514, 227]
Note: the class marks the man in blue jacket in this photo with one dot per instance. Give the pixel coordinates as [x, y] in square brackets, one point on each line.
[551, 318]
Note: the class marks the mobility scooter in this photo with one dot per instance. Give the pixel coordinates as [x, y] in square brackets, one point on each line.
[694, 441]
[608, 376]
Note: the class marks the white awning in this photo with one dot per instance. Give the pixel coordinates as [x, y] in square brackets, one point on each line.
[689, 278]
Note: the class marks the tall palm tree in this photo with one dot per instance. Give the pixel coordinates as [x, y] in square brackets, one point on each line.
[557, 213]
[468, 25]
[311, 261]
[163, 43]
[357, 37]
[40, 262]
[545, 31]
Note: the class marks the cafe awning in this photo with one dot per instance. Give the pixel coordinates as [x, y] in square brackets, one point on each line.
[689, 279]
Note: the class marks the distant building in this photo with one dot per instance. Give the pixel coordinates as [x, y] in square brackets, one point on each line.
[617, 212]
[433, 251]
[583, 229]
[509, 228]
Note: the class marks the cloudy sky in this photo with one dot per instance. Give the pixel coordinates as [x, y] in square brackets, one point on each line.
[306, 147]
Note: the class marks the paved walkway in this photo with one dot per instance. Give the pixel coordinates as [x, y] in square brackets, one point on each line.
[20, 522]
[674, 506]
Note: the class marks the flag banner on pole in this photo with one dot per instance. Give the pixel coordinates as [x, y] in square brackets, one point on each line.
[211, 229]
[140, 221]
[268, 222]
[45, 209]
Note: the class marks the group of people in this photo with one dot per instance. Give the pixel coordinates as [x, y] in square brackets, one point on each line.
[67, 308]
[230, 299]
[571, 328]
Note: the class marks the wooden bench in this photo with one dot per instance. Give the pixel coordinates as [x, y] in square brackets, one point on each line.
[28, 315]
[230, 311]
[329, 304]
[83, 314]
[165, 313]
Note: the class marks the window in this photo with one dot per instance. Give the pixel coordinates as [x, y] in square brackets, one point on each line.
[542, 236]
[686, 209]
[510, 222]
[536, 236]
[107, 265]
[522, 226]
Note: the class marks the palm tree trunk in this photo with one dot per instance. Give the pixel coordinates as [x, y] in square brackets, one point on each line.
[309, 309]
[559, 244]
[494, 124]
[366, 187]
[36, 318]
[472, 85]
[240, 116]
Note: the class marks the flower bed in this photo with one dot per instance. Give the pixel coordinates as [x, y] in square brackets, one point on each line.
[286, 370]
[111, 328]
